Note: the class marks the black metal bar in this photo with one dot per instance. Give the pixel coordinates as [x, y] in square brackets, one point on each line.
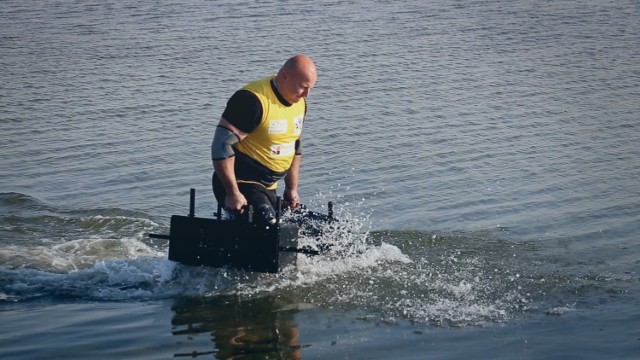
[159, 236]
[278, 209]
[330, 207]
[192, 202]
[249, 214]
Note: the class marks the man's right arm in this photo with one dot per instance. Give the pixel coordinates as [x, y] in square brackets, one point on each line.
[241, 116]
[224, 168]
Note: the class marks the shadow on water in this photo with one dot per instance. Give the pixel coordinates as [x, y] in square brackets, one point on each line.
[260, 327]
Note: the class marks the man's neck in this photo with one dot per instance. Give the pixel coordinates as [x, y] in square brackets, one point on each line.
[274, 86]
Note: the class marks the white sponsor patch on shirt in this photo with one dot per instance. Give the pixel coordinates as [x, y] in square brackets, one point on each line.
[278, 126]
[283, 149]
[297, 122]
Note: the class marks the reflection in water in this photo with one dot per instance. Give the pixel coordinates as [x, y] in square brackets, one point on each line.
[239, 328]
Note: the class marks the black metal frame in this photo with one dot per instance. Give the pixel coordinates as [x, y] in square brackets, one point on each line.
[237, 243]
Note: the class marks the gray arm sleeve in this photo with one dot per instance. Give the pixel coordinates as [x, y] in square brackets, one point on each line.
[222, 144]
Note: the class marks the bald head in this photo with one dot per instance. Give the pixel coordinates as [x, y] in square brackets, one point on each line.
[296, 78]
[301, 64]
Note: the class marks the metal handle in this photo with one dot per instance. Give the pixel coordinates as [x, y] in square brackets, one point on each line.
[192, 202]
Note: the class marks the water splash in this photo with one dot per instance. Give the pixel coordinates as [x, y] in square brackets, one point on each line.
[384, 273]
[448, 280]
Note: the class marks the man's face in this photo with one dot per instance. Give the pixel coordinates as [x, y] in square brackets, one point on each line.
[298, 85]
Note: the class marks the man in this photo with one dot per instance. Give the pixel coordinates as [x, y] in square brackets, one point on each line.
[257, 141]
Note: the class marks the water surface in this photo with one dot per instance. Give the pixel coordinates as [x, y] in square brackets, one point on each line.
[482, 154]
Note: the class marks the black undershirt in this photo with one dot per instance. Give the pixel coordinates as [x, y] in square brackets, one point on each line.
[244, 111]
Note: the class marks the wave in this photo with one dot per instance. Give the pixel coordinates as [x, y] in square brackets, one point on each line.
[463, 279]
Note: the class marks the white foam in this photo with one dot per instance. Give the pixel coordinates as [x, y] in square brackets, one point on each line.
[454, 288]
[560, 310]
[73, 255]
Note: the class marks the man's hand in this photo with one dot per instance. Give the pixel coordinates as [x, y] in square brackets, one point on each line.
[235, 202]
[291, 198]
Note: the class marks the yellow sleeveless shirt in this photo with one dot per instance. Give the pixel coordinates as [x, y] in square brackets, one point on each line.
[272, 142]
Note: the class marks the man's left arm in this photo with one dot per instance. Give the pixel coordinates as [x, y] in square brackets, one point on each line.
[291, 196]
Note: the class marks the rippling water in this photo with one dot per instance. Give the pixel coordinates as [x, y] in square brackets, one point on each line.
[482, 153]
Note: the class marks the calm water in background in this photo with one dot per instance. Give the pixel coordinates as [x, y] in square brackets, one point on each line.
[484, 154]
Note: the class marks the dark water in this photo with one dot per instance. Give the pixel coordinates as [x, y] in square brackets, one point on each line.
[483, 155]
